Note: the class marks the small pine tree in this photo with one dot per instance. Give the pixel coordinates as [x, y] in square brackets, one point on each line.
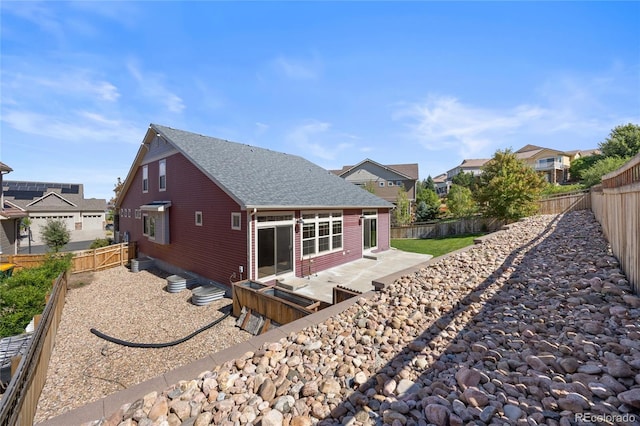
[55, 234]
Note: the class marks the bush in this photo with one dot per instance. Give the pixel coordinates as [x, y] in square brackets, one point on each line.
[100, 242]
[22, 296]
[593, 175]
[551, 189]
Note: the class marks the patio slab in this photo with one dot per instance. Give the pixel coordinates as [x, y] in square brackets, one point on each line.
[357, 275]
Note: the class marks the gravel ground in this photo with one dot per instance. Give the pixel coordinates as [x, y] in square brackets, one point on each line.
[134, 307]
[535, 326]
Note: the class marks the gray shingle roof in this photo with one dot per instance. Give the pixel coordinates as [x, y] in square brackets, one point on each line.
[258, 177]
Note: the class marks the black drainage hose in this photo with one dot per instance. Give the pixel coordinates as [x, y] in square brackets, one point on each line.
[158, 345]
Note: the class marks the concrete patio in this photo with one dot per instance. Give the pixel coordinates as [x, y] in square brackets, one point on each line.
[356, 275]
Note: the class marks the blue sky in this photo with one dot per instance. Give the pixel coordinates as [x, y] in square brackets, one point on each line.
[430, 83]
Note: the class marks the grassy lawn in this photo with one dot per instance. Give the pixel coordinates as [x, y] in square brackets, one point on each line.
[436, 246]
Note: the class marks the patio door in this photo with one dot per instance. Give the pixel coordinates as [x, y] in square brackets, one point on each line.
[275, 250]
[370, 233]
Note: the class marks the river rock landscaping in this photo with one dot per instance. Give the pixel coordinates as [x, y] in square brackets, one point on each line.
[537, 325]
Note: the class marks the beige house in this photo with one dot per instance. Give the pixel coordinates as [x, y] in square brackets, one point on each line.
[387, 180]
[551, 163]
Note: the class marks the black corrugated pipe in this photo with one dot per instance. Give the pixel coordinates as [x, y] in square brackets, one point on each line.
[159, 345]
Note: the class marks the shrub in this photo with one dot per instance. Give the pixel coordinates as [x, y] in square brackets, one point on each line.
[100, 242]
[55, 234]
[22, 296]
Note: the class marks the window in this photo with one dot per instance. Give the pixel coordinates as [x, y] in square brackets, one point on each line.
[145, 178]
[198, 218]
[321, 232]
[236, 224]
[145, 224]
[398, 183]
[390, 183]
[381, 184]
[138, 213]
[162, 170]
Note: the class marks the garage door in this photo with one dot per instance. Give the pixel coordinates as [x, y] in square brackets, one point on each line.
[92, 221]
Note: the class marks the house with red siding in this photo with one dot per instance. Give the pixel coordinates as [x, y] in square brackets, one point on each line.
[227, 211]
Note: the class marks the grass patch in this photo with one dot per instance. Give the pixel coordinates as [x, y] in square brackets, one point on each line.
[434, 246]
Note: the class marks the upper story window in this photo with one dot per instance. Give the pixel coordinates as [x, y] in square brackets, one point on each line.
[162, 172]
[145, 178]
[390, 183]
[381, 183]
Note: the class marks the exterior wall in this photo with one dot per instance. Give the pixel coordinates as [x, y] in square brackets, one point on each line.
[384, 229]
[212, 250]
[369, 172]
[351, 250]
[8, 236]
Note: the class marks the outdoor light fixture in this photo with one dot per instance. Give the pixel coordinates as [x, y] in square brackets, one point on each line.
[299, 222]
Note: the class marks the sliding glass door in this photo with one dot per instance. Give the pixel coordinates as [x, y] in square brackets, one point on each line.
[275, 250]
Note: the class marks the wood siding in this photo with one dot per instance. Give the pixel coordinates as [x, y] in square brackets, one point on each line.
[616, 205]
[212, 250]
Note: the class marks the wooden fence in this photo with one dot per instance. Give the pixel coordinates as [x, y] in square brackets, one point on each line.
[564, 203]
[340, 294]
[18, 404]
[84, 260]
[473, 225]
[616, 205]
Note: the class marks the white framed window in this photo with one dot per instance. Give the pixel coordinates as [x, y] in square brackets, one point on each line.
[236, 221]
[162, 175]
[321, 232]
[138, 213]
[145, 178]
[390, 183]
[381, 183]
[398, 183]
[198, 218]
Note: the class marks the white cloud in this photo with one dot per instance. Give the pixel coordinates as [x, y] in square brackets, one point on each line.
[445, 123]
[79, 127]
[152, 86]
[59, 82]
[298, 69]
[317, 139]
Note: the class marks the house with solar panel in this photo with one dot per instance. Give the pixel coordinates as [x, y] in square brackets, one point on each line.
[43, 201]
[228, 211]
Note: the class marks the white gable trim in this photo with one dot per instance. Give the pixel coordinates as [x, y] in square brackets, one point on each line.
[37, 200]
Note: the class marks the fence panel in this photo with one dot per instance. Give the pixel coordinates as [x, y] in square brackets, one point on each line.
[564, 203]
[474, 225]
[616, 205]
[20, 401]
[83, 260]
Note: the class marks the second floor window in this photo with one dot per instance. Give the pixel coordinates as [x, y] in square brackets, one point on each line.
[162, 182]
[145, 178]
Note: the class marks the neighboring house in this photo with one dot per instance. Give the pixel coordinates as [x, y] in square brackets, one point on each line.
[43, 201]
[228, 211]
[386, 180]
[468, 166]
[442, 184]
[10, 217]
[551, 163]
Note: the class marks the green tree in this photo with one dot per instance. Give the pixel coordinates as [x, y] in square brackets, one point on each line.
[55, 234]
[401, 214]
[370, 186]
[466, 179]
[508, 188]
[428, 207]
[460, 202]
[578, 166]
[427, 183]
[623, 141]
[593, 175]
